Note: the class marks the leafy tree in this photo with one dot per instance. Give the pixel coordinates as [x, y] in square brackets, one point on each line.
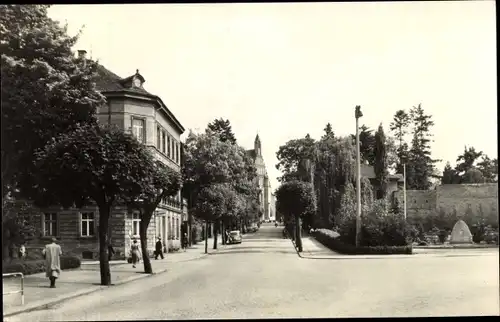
[209, 161]
[161, 182]
[291, 154]
[472, 176]
[467, 160]
[391, 153]
[223, 128]
[17, 227]
[489, 168]
[449, 175]
[399, 126]
[420, 164]
[44, 89]
[328, 132]
[366, 145]
[109, 165]
[380, 167]
[296, 199]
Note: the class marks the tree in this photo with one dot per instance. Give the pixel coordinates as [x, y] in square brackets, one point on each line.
[449, 175]
[209, 161]
[223, 128]
[291, 154]
[17, 227]
[399, 126]
[328, 132]
[366, 145]
[380, 167]
[296, 199]
[467, 160]
[472, 176]
[420, 166]
[162, 182]
[108, 165]
[44, 89]
[489, 168]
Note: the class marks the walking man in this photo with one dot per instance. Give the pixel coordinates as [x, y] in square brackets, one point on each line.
[52, 254]
[159, 249]
[111, 250]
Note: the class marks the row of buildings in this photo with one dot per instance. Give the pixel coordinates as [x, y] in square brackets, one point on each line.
[130, 107]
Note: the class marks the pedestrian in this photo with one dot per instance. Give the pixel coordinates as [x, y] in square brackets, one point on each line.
[134, 249]
[159, 249]
[185, 241]
[111, 251]
[22, 251]
[52, 254]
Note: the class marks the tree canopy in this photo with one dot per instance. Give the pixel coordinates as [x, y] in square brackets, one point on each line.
[44, 89]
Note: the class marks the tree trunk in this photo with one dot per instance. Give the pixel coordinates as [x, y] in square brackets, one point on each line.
[104, 214]
[206, 236]
[216, 226]
[143, 234]
[223, 230]
[298, 229]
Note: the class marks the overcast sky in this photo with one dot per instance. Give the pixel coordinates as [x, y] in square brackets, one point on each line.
[286, 69]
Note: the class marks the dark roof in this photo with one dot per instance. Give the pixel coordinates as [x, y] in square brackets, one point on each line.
[369, 172]
[251, 153]
[107, 81]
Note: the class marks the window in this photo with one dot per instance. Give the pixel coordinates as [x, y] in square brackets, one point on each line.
[163, 134]
[50, 224]
[138, 129]
[136, 219]
[87, 224]
[158, 137]
[175, 152]
[168, 146]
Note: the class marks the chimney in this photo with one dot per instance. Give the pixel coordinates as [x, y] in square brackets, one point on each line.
[82, 55]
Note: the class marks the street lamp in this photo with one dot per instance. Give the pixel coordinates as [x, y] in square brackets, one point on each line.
[358, 114]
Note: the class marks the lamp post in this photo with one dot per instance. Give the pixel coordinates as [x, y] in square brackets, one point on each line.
[358, 114]
[404, 190]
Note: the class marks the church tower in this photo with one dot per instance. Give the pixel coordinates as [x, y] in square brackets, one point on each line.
[257, 146]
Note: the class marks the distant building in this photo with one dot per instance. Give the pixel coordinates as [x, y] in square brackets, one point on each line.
[265, 198]
[133, 109]
[393, 182]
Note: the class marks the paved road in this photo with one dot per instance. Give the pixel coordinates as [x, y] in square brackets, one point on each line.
[263, 277]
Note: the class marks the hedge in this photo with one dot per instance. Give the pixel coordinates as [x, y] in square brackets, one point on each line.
[337, 245]
[28, 267]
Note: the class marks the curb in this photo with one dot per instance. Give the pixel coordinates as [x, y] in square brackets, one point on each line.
[40, 305]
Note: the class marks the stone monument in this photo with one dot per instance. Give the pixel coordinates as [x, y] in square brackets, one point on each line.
[461, 234]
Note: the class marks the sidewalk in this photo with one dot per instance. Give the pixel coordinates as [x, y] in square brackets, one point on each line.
[313, 249]
[86, 279]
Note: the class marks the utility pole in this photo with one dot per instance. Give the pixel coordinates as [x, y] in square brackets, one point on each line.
[404, 190]
[358, 114]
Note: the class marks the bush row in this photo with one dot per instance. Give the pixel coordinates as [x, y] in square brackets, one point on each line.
[28, 267]
[339, 246]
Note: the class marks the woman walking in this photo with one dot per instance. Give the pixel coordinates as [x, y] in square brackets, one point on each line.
[135, 253]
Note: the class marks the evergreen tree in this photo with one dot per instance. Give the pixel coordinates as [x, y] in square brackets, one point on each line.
[399, 126]
[420, 164]
[223, 129]
[449, 175]
[380, 167]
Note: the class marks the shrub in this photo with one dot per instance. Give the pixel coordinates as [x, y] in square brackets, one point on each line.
[336, 244]
[28, 267]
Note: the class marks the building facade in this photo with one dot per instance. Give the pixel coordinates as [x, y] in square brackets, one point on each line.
[265, 197]
[130, 107]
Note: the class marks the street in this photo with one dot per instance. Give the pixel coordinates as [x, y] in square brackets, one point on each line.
[264, 278]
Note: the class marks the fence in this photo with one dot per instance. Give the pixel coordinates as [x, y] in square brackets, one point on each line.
[22, 285]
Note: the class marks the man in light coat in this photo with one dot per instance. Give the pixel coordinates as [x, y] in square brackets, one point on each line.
[52, 254]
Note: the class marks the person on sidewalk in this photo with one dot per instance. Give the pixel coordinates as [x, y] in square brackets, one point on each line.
[111, 251]
[22, 251]
[185, 241]
[135, 253]
[159, 249]
[52, 254]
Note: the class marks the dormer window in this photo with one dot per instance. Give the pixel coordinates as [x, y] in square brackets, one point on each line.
[137, 82]
[134, 81]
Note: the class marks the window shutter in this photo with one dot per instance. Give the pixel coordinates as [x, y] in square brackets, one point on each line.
[79, 224]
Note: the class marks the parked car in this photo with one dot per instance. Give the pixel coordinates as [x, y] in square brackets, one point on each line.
[234, 237]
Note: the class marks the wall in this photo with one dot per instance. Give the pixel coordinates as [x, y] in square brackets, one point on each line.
[481, 199]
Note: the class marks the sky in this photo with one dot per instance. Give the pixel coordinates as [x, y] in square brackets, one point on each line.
[284, 70]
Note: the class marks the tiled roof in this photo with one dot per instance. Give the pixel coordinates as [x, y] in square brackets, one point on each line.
[369, 172]
[107, 81]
